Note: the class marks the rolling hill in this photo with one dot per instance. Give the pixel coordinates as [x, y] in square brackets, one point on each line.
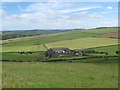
[80, 73]
[82, 37]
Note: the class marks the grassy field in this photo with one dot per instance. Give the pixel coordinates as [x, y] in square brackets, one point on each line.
[47, 39]
[76, 44]
[102, 74]
[41, 54]
[111, 49]
[102, 30]
[59, 36]
[17, 56]
[23, 48]
[35, 43]
[90, 73]
[84, 43]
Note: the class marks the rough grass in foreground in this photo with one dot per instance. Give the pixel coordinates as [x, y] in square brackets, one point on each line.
[61, 75]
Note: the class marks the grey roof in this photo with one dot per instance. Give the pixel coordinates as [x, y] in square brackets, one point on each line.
[60, 50]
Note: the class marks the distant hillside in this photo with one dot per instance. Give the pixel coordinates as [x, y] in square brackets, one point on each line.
[102, 30]
[75, 39]
[24, 33]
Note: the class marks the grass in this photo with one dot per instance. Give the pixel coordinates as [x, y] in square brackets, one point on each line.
[42, 40]
[94, 43]
[23, 48]
[59, 37]
[111, 49]
[60, 75]
[101, 31]
[35, 44]
[90, 73]
[84, 43]
[72, 44]
[17, 56]
[13, 55]
[41, 54]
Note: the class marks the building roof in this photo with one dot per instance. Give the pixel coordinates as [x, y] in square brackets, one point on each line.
[59, 49]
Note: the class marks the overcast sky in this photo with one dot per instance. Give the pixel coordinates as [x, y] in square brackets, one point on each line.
[58, 15]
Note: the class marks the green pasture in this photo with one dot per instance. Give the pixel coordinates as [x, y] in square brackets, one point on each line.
[83, 43]
[42, 40]
[17, 56]
[60, 37]
[102, 74]
[23, 48]
[36, 44]
[41, 54]
[111, 49]
[101, 31]
[90, 73]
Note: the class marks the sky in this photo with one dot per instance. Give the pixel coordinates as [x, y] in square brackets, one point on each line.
[57, 15]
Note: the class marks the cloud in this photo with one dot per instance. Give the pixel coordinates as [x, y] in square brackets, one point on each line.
[38, 20]
[108, 23]
[57, 8]
[32, 21]
[57, 12]
[58, 15]
[47, 6]
[87, 16]
[77, 9]
[2, 13]
[109, 8]
[37, 7]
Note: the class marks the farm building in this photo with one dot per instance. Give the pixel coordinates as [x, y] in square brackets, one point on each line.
[101, 52]
[76, 52]
[82, 52]
[88, 51]
[54, 52]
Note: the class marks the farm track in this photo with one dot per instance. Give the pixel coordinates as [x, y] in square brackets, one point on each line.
[59, 60]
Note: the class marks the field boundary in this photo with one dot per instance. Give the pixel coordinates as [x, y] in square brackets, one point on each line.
[60, 59]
